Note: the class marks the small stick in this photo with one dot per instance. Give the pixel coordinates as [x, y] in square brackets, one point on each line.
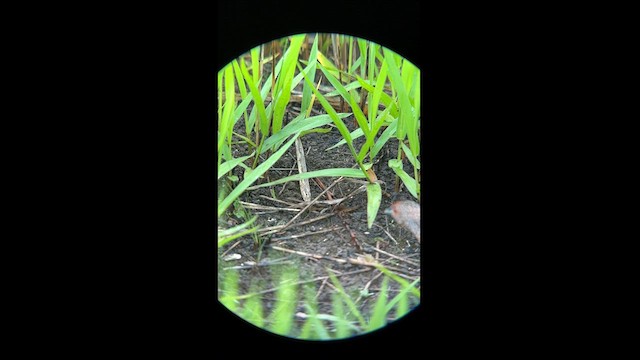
[386, 232]
[312, 202]
[230, 248]
[305, 190]
[393, 256]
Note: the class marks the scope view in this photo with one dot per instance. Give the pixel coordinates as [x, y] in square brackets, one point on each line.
[318, 170]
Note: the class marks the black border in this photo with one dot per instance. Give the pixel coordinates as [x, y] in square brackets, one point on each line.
[408, 39]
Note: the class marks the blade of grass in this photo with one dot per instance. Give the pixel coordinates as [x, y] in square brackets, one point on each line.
[224, 126]
[379, 312]
[357, 112]
[407, 180]
[404, 283]
[412, 159]
[300, 123]
[402, 296]
[406, 111]
[335, 172]
[229, 165]
[374, 198]
[253, 176]
[258, 101]
[282, 316]
[283, 87]
[347, 300]
[311, 70]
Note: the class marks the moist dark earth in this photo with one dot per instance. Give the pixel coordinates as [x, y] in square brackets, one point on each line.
[328, 237]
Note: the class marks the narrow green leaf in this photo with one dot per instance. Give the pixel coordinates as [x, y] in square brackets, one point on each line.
[229, 165]
[374, 198]
[253, 176]
[224, 126]
[300, 123]
[336, 172]
[357, 112]
[347, 299]
[311, 70]
[412, 159]
[378, 318]
[404, 283]
[402, 296]
[283, 87]
[350, 86]
[342, 128]
[255, 64]
[382, 140]
[407, 180]
[406, 110]
[258, 101]
[354, 135]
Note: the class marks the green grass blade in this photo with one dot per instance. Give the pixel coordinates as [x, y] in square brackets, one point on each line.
[253, 311]
[363, 44]
[354, 85]
[406, 111]
[402, 297]
[335, 172]
[255, 64]
[283, 87]
[342, 128]
[229, 165]
[384, 99]
[347, 299]
[379, 312]
[404, 283]
[354, 135]
[414, 141]
[357, 112]
[253, 176]
[382, 140]
[283, 315]
[342, 327]
[374, 198]
[224, 126]
[311, 70]
[299, 124]
[407, 180]
[258, 101]
[228, 290]
[412, 159]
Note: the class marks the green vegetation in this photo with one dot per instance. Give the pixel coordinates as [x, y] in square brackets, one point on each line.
[345, 320]
[344, 77]
[381, 89]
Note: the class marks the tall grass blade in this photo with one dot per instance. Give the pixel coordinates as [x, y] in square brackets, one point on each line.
[299, 124]
[379, 312]
[311, 70]
[227, 166]
[335, 172]
[253, 176]
[407, 180]
[283, 86]
[258, 101]
[282, 317]
[347, 299]
[406, 111]
[357, 112]
[374, 198]
[229, 291]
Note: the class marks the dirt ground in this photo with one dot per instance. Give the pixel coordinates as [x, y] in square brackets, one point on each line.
[332, 237]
